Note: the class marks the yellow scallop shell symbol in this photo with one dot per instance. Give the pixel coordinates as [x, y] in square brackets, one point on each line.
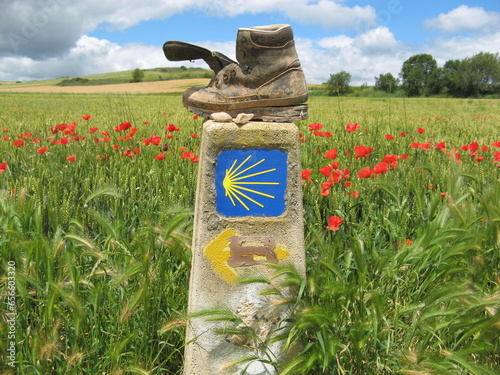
[235, 181]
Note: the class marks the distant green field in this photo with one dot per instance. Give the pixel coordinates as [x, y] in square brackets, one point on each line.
[156, 74]
[96, 201]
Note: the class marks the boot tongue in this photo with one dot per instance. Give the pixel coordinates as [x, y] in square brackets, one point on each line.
[181, 51]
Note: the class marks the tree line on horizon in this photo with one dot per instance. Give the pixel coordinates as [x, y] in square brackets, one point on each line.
[476, 76]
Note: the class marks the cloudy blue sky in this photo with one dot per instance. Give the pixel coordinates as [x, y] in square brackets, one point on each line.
[54, 38]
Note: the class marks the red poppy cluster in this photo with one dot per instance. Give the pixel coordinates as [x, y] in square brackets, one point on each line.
[64, 134]
[3, 167]
[335, 175]
[189, 155]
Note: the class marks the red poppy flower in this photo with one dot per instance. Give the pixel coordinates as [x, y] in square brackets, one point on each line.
[172, 128]
[404, 156]
[195, 159]
[128, 153]
[355, 194]
[93, 130]
[443, 195]
[390, 158]
[116, 147]
[63, 141]
[306, 175]
[3, 165]
[160, 156]
[71, 158]
[352, 127]
[42, 150]
[194, 135]
[315, 127]
[5, 138]
[380, 168]
[123, 126]
[86, 117]
[365, 173]
[420, 130]
[106, 139]
[441, 146]
[325, 192]
[155, 139]
[496, 144]
[473, 146]
[389, 137]
[187, 155]
[18, 143]
[331, 154]
[326, 171]
[5, 130]
[327, 184]
[195, 117]
[496, 155]
[334, 222]
[362, 151]
[457, 157]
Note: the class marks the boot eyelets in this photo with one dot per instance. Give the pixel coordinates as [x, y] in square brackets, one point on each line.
[233, 73]
[225, 77]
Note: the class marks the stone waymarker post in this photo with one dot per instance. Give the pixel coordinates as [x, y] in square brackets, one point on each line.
[248, 213]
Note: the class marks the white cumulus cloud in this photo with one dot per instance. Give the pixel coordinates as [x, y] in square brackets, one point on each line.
[464, 19]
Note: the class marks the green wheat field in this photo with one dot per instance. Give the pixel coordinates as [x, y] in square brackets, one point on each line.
[402, 227]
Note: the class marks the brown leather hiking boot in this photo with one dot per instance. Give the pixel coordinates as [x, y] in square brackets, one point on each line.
[267, 80]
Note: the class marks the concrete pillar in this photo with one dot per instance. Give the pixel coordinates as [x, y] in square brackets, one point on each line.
[248, 213]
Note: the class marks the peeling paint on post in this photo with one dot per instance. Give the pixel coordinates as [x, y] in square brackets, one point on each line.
[248, 212]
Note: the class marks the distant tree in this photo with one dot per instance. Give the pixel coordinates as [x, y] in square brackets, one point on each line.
[415, 74]
[435, 83]
[476, 76]
[338, 83]
[386, 82]
[452, 78]
[137, 75]
[482, 74]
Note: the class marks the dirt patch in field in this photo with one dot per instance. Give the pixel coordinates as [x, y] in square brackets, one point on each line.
[124, 88]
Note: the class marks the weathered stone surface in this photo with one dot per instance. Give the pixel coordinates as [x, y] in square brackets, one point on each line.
[271, 236]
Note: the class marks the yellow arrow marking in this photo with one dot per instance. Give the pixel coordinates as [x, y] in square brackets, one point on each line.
[218, 254]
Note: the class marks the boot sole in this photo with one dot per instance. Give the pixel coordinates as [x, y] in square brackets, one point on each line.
[266, 114]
